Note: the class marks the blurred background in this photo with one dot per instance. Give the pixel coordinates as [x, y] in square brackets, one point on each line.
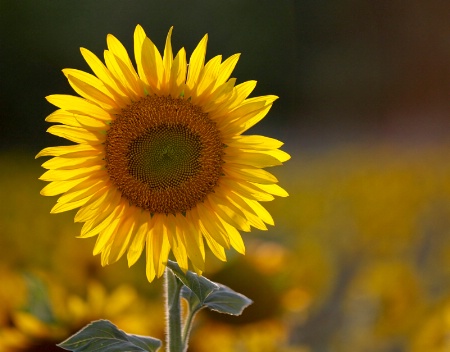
[359, 259]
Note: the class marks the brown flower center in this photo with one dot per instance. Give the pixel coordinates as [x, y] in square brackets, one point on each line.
[164, 154]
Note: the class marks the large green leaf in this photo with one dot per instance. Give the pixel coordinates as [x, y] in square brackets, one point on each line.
[199, 285]
[225, 300]
[102, 335]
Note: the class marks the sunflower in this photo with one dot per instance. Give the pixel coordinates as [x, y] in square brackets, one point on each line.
[160, 160]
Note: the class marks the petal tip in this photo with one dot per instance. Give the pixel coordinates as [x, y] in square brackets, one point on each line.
[66, 71]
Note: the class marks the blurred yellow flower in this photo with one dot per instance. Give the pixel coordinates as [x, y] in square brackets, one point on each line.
[262, 336]
[433, 334]
[160, 158]
[38, 328]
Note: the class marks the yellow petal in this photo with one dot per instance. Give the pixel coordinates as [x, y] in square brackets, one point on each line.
[88, 79]
[122, 73]
[86, 190]
[243, 207]
[254, 142]
[241, 92]
[61, 207]
[220, 99]
[226, 69]
[93, 94]
[79, 106]
[252, 175]
[164, 257]
[105, 236]
[235, 238]
[222, 199]
[217, 249]
[207, 78]
[196, 63]
[58, 187]
[137, 246]
[193, 240]
[124, 235]
[112, 84]
[104, 258]
[176, 241]
[250, 120]
[272, 189]
[76, 120]
[77, 135]
[64, 175]
[91, 124]
[139, 36]
[152, 64]
[150, 266]
[229, 216]
[279, 154]
[98, 208]
[61, 116]
[160, 244]
[262, 213]
[167, 63]
[232, 120]
[211, 224]
[238, 94]
[255, 159]
[72, 163]
[98, 224]
[71, 150]
[178, 74]
[116, 47]
[246, 189]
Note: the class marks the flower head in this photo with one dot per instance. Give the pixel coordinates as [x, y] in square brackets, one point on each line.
[160, 160]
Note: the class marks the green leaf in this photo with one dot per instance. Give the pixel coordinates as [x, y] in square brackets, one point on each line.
[147, 343]
[227, 301]
[223, 300]
[199, 285]
[102, 335]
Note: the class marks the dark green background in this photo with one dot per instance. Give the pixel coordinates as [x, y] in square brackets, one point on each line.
[345, 70]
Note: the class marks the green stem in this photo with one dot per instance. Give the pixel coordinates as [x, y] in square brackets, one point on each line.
[187, 327]
[173, 310]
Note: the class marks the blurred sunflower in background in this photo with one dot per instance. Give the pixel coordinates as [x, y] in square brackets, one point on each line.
[160, 159]
[48, 313]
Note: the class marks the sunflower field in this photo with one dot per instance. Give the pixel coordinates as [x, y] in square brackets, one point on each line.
[359, 256]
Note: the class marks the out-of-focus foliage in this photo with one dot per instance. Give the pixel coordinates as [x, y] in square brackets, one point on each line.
[359, 260]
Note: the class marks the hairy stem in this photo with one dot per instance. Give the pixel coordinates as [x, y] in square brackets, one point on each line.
[188, 327]
[173, 313]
